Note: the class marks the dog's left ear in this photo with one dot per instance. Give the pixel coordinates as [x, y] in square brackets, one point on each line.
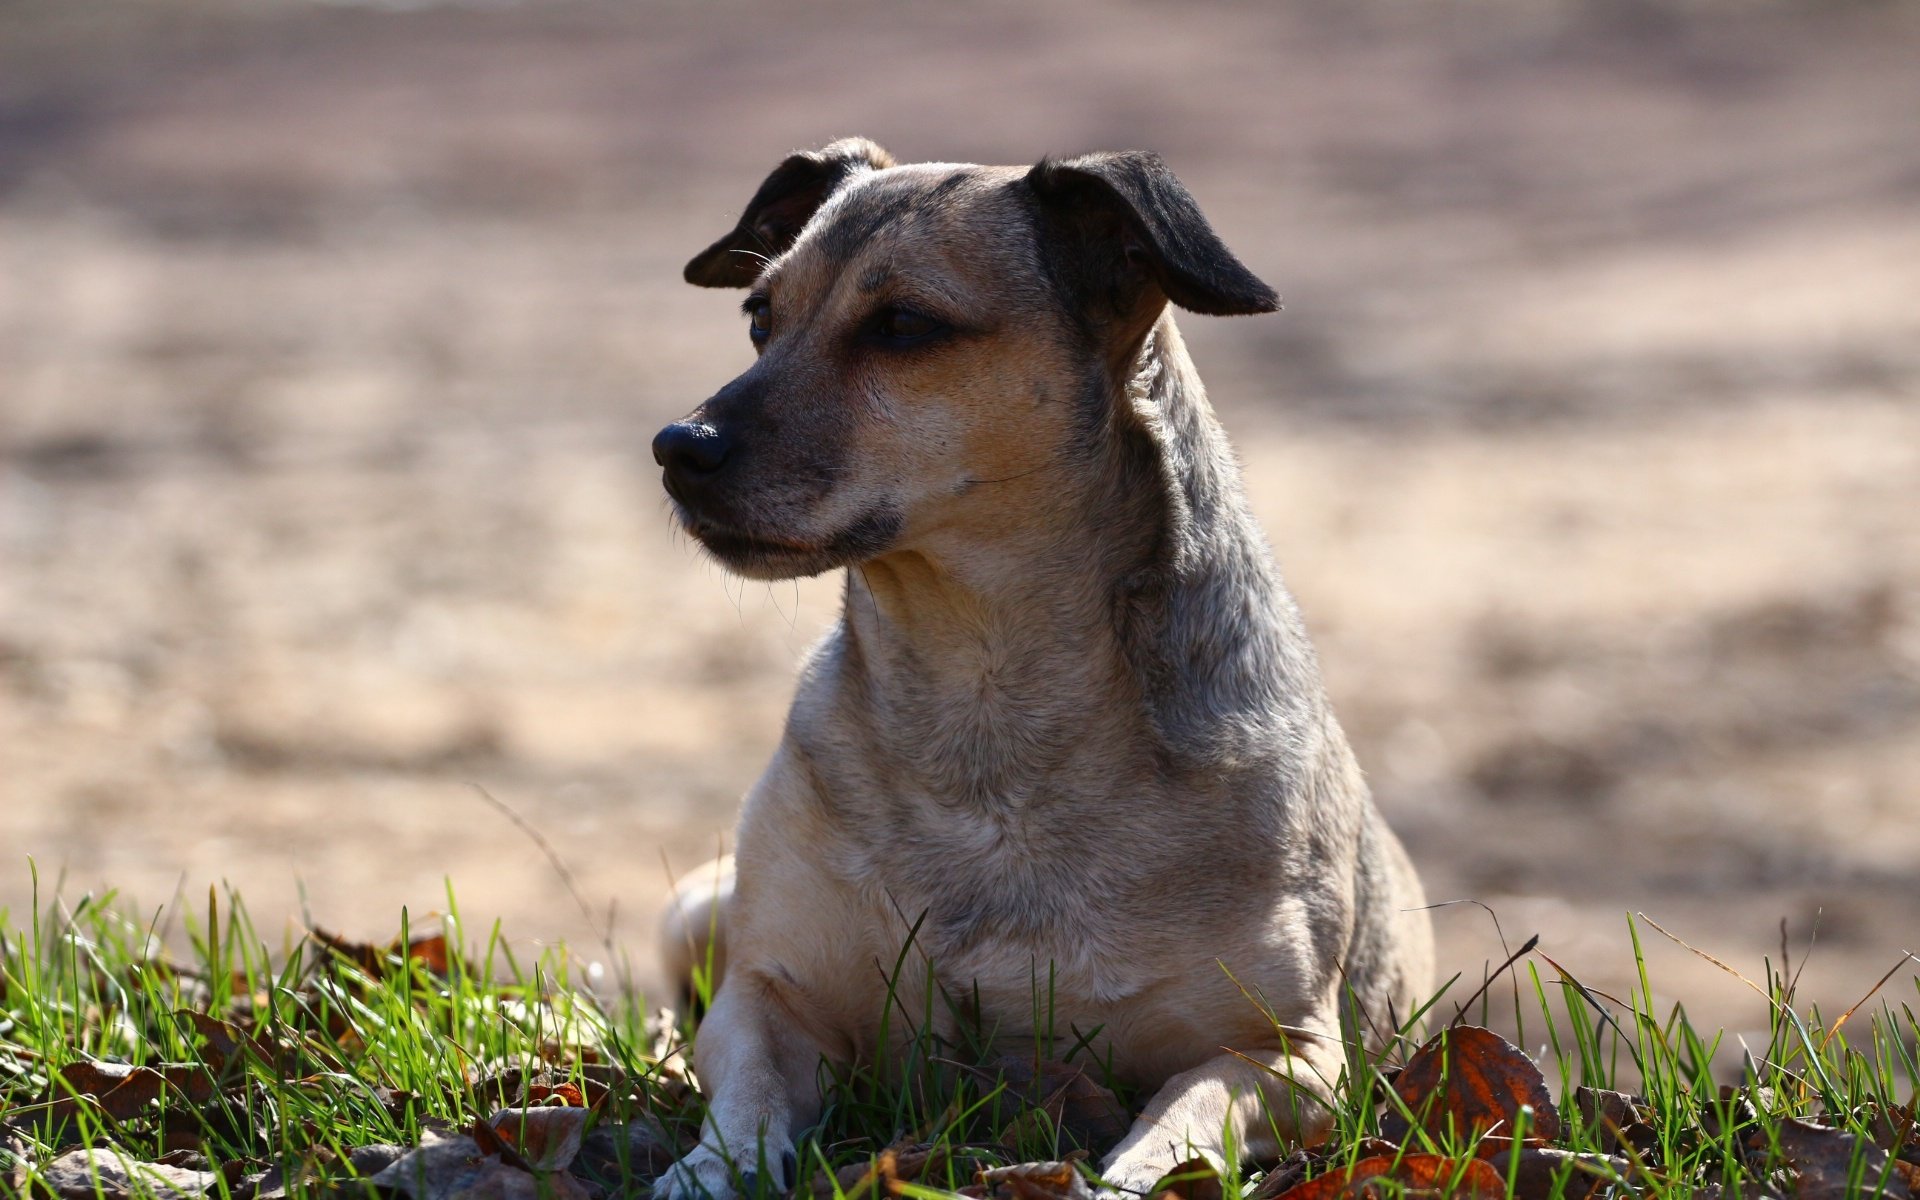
[786, 201]
[1120, 220]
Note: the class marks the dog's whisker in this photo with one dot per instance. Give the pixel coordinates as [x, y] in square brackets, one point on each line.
[1047, 465]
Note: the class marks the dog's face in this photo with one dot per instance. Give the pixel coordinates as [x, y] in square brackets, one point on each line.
[921, 331]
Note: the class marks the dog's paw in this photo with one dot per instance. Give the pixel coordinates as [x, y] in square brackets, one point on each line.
[1123, 1184]
[706, 1174]
[1133, 1178]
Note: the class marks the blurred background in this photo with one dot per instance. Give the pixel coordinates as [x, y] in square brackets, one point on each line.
[332, 338]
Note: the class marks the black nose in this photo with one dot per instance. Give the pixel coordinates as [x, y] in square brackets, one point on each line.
[690, 450]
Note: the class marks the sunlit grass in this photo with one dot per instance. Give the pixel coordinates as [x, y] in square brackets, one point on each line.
[328, 1048]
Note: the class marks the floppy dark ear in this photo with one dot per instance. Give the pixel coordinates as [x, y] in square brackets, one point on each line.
[1115, 221]
[780, 210]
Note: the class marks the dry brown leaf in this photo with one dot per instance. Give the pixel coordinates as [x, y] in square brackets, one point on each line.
[1071, 1100]
[13, 1161]
[858, 1180]
[884, 1171]
[443, 1166]
[1596, 1105]
[906, 1162]
[495, 1144]
[108, 1173]
[491, 1179]
[374, 1157]
[1467, 1082]
[1621, 1119]
[1285, 1174]
[115, 1089]
[547, 1138]
[638, 1152]
[586, 1085]
[1823, 1158]
[1413, 1174]
[1032, 1181]
[566, 1093]
[1895, 1131]
[225, 1043]
[1538, 1168]
[1733, 1110]
[1194, 1179]
[429, 950]
[373, 960]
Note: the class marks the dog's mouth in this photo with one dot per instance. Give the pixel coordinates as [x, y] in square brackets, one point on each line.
[758, 554]
[731, 543]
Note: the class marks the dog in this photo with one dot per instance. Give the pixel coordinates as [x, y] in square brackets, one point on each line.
[1069, 729]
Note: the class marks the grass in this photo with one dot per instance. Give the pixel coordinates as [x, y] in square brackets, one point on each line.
[315, 1049]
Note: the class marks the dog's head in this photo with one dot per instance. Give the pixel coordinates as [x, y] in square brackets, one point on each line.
[922, 331]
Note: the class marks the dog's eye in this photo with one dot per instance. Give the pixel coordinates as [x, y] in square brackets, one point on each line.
[903, 325]
[759, 318]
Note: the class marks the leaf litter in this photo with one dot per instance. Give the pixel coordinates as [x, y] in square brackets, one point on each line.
[238, 1089]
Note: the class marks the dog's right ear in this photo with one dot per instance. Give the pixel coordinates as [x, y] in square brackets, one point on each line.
[781, 209]
[1119, 222]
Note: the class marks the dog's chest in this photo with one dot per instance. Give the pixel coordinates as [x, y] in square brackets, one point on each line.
[1003, 904]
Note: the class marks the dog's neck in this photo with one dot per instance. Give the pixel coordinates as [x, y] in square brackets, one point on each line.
[1136, 607]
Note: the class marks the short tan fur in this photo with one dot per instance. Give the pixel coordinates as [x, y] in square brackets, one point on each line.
[1069, 723]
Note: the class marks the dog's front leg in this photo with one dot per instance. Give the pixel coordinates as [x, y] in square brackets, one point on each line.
[1260, 1100]
[758, 1071]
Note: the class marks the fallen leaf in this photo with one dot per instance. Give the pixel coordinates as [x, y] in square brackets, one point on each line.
[1285, 1174]
[109, 1173]
[442, 1167]
[1894, 1130]
[1194, 1179]
[638, 1152]
[1467, 1082]
[224, 1043]
[586, 1085]
[1072, 1101]
[375, 960]
[1032, 1181]
[492, 1142]
[1731, 1112]
[116, 1089]
[270, 1184]
[374, 1157]
[1823, 1160]
[859, 1180]
[1384, 1176]
[1539, 1171]
[898, 1164]
[398, 1103]
[13, 1162]
[1623, 1121]
[490, 1179]
[548, 1138]
[431, 951]
[566, 1093]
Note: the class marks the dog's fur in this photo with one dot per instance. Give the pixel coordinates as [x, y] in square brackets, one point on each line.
[1069, 724]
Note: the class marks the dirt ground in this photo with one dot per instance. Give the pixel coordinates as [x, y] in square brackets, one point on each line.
[332, 338]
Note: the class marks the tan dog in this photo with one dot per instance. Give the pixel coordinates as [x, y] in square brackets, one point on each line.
[1069, 724]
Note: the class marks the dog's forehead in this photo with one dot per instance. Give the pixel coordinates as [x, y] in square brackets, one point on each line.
[901, 213]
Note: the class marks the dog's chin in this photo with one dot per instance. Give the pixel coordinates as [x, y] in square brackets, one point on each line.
[758, 555]
[762, 558]
[763, 554]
